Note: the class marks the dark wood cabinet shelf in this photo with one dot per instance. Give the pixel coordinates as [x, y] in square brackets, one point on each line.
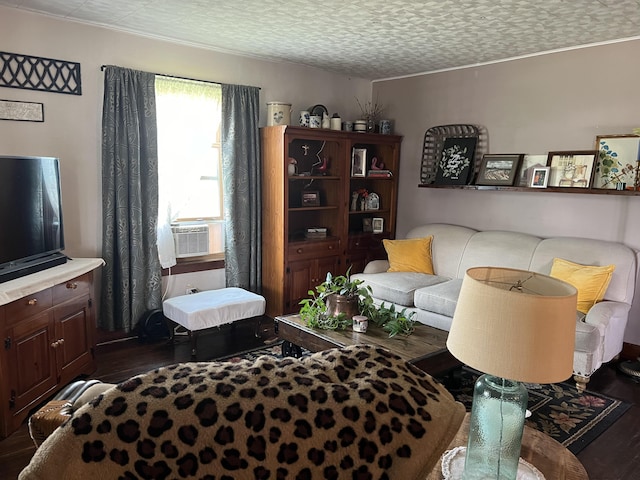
[310, 177]
[379, 212]
[310, 209]
[589, 191]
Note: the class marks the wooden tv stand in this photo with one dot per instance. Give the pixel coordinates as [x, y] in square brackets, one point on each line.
[48, 328]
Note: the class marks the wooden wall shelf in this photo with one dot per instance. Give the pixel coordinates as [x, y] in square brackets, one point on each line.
[590, 191]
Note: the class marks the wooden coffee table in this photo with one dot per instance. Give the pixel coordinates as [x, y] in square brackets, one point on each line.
[425, 347]
[553, 460]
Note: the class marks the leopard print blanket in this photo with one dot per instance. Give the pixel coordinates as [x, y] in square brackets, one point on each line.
[355, 413]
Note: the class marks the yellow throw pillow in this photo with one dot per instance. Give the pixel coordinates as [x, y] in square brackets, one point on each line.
[590, 281]
[410, 255]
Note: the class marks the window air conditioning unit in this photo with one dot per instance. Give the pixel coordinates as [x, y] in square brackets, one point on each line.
[191, 240]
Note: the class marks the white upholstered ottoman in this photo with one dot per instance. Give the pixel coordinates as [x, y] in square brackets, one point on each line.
[213, 308]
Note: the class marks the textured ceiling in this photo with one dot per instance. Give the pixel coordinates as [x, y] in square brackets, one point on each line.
[372, 39]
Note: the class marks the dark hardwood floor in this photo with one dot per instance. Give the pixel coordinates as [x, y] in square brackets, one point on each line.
[614, 455]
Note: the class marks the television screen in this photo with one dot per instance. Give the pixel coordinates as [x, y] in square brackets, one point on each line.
[31, 229]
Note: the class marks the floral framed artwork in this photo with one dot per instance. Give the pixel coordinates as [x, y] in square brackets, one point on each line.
[539, 177]
[617, 162]
[499, 169]
[573, 169]
[456, 162]
[359, 162]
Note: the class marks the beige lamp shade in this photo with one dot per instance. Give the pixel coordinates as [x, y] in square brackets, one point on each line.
[515, 324]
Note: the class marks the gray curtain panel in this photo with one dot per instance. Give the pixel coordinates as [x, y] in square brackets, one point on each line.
[242, 186]
[131, 283]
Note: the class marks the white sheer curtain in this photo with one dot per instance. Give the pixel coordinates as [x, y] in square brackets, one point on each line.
[188, 116]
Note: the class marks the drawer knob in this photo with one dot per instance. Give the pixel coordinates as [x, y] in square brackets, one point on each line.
[33, 301]
[330, 247]
[299, 250]
[72, 285]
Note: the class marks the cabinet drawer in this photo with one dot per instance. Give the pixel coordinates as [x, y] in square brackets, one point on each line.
[306, 250]
[28, 306]
[72, 288]
[360, 243]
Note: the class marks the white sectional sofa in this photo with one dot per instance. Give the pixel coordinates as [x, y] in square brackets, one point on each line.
[599, 334]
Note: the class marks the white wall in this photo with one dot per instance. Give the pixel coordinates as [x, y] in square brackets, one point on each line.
[71, 130]
[552, 102]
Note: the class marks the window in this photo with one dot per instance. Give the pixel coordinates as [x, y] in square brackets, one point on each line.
[189, 159]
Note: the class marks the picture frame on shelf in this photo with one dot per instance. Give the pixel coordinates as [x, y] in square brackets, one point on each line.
[618, 162]
[377, 224]
[456, 165]
[571, 169]
[527, 166]
[539, 177]
[310, 198]
[499, 169]
[359, 162]
[367, 225]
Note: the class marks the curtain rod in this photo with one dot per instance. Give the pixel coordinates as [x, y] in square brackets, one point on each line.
[102, 67]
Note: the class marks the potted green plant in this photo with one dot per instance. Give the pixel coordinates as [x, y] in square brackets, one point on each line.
[336, 300]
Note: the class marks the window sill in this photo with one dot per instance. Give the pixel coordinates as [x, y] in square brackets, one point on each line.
[196, 264]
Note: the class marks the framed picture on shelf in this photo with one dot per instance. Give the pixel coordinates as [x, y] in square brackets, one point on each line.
[539, 177]
[456, 165]
[359, 162]
[377, 225]
[499, 169]
[617, 162]
[571, 169]
[367, 225]
[310, 198]
[527, 167]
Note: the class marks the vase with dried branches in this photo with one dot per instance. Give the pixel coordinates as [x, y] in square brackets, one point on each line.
[371, 112]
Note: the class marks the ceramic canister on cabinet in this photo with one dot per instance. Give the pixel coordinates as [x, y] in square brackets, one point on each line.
[304, 118]
[278, 113]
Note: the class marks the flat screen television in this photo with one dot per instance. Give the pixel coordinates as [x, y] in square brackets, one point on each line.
[31, 228]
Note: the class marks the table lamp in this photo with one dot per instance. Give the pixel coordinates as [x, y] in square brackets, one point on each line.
[514, 326]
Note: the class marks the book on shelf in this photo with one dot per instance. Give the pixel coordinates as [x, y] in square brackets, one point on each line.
[380, 173]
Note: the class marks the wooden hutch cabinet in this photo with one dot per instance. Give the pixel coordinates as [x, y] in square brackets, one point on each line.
[48, 335]
[318, 212]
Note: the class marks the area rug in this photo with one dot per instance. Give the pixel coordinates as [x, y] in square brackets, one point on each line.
[558, 410]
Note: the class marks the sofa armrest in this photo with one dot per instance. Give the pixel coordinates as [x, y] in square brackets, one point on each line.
[376, 266]
[611, 320]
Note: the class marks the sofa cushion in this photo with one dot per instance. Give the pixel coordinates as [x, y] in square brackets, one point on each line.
[441, 298]
[590, 281]
[397, 287]
[410, 255]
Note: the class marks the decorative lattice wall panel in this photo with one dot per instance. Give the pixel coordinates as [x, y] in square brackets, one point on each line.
[39, 73]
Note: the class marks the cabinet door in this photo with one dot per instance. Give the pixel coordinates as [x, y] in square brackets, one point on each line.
[299, 282]
[304, 275]
[32, 369]
[74, 337]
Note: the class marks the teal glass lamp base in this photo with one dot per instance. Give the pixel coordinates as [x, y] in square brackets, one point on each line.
[495, 429]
